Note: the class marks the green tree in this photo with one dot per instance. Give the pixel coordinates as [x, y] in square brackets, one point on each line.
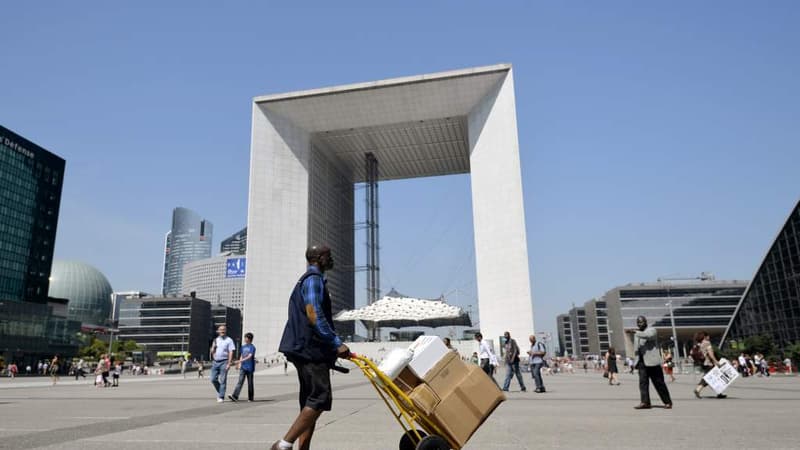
[93, 348]
[793, 352]
[125, 347]
[761, 344]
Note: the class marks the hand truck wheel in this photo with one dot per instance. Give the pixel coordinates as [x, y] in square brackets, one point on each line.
[407, 443]
[433, 442]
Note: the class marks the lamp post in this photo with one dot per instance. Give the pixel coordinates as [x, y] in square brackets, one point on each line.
[675, 356]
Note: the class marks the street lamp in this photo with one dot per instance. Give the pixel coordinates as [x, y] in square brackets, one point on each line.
[674, 334]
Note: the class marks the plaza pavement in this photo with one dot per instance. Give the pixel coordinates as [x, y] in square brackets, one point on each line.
[578, 411]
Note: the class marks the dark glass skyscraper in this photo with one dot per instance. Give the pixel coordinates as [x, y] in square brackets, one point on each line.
[32, 325]
[30, 196]
[188, 240]
[771, 304]
[236, 243]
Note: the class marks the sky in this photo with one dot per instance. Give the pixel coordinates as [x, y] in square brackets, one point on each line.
[656, 140]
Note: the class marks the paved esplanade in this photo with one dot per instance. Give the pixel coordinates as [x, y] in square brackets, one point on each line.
[579, 411]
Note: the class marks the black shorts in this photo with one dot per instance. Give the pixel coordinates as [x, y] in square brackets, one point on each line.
[315, 385]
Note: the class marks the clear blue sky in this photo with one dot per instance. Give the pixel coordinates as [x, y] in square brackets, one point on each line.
[656, 140]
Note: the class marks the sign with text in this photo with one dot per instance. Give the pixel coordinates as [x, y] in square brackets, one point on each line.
[719, 378]
[236, 268]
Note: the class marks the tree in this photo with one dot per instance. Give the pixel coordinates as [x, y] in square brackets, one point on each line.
[93, 348]
[761, 344]
[125, 346]
[793, 352]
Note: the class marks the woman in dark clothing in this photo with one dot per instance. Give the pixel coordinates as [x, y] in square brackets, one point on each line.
[611, 364]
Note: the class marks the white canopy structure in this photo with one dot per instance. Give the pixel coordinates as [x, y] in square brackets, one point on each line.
[395, 310]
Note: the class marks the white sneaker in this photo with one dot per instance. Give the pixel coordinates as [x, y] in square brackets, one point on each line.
[220, 400]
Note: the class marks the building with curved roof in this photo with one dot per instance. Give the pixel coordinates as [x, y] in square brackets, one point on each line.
[86, 288]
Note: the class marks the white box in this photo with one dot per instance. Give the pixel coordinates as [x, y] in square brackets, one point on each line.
[427, 351]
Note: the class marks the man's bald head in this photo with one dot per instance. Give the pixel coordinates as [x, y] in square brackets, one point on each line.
[320, 256]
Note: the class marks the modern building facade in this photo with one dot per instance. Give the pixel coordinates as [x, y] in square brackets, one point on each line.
[565, 339]
[189, 239]
[573, 333]
[32, 325]
[309, 148]
[31, 179]
[174, 324]
[231, 318]
[235, 244]
[219, 279]
[771, 303]
[597, 326]
[699, 304]
[86, 288]
[118, 297]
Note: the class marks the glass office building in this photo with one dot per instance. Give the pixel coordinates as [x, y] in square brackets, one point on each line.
[235, 244]
[30, 195]
[32, 325]
[188, 240]
[167, 325]
[771, 304]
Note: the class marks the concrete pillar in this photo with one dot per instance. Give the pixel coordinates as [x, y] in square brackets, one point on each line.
[501, 247]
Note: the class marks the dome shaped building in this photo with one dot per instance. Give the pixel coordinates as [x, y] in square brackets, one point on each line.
[88, 291]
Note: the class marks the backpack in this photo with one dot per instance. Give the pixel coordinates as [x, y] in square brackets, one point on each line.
[697, 354]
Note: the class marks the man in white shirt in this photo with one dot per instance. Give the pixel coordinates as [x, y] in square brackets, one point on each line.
[222, 352]
[486, 356]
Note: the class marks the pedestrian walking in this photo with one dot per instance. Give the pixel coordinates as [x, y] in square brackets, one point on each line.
[222, 352]
[12, 370]
[54, 363]
[648, 362]
[117, 372]
[98, 374]
[611, 367]
[200, 369]
[512, 363]
[706, 359]
[536, 358]
[486, 356]
[449, 345]
[106, 361]
[79, 370]
[247, 365]
[669, 367]
[311, 344]
[184, 362]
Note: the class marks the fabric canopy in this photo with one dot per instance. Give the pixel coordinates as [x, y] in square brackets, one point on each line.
[397, 311]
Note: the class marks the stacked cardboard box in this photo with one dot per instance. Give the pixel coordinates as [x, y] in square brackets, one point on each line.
[456, 396]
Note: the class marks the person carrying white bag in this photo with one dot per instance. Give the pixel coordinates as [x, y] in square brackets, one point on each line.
[703, 340]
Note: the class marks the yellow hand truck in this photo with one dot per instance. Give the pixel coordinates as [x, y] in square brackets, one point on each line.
[420, 432]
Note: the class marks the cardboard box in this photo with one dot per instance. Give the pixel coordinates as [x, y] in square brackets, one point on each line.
[425, 399]
[407, 381]
[427, 351]
[446, 374]
[462, 410]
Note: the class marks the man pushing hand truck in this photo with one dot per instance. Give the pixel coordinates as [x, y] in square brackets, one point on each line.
[310, 343]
